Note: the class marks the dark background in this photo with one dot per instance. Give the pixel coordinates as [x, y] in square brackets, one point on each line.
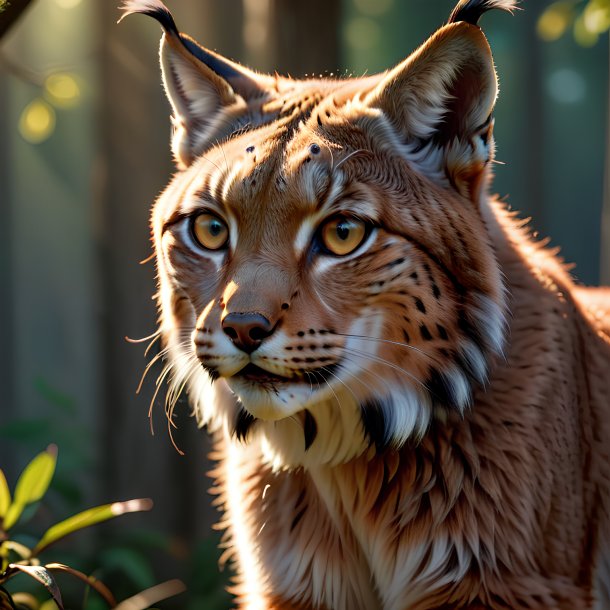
[83, 158]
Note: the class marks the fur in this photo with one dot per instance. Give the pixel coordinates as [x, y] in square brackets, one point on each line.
[424, 421]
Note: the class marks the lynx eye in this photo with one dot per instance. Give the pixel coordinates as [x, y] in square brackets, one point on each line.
[210, 231]
[342, 235]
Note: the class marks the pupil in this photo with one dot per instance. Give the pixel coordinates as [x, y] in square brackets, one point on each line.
[343, 231]
[215, 228]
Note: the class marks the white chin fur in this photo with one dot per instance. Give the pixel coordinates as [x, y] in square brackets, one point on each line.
[277, 402]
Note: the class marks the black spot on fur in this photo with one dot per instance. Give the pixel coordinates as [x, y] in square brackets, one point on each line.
[398, 261]
[442, 333]
[297, 518]
[425, 333]
[471, 331]
[243, 423]
[420, 305]
[405, 334]
[374, 423]
[441, 391]
[310, 429]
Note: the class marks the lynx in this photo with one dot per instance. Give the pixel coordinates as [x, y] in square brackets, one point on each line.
[408, 395]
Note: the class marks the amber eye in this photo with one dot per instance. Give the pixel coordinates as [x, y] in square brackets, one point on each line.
[342, 235]
[210, 231]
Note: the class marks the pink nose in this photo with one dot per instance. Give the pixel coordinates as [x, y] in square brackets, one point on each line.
[247, 330]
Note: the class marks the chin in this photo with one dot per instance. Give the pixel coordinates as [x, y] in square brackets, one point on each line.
[277, 400]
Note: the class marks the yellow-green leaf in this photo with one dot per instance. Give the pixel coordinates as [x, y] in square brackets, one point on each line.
[32, 484]
[36, 478]
[87, 518]
[12, 515]
[5, 495]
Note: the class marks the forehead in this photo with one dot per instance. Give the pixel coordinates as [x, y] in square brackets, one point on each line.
[268, 171]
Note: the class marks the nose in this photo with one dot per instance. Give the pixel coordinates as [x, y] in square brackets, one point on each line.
[247, 330]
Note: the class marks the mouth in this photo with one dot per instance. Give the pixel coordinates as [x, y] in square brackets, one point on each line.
[255, 374]
[271, 396]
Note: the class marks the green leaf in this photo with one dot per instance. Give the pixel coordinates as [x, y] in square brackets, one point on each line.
[5, 495]
[27, 431]
[131, 564]
[87, 518]
[55, 396]
[32, 484]
[43, 577]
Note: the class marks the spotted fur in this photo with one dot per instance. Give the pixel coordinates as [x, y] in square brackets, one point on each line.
[421, 422]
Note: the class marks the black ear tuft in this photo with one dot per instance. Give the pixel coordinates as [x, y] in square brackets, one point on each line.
[470, 11]
[153, 8]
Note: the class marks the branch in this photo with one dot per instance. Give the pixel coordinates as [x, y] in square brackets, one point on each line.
[10, 11]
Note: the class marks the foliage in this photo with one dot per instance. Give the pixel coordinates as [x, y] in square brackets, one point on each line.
[588, 20]
[17, 558]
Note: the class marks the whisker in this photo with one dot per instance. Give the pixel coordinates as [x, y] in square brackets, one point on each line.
[354, 153]
[148, 259]
[222, 149]
[154, 335]
[212, 162]
[157, 357]
[397, 343]
[161, 377]
[162, 353]
[327, 370]
[381, 360]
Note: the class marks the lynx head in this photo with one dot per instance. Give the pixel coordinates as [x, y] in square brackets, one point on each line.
[326, 282]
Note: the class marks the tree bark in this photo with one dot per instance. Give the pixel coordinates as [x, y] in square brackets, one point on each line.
[605, 245]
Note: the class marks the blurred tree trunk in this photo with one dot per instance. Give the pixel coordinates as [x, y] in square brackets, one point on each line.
[6, 273]
[605, 245]
[305, 36]
[292, 38]
[535, 123]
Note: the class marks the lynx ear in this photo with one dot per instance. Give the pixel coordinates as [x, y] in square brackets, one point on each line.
[207, 92]
[440, 99]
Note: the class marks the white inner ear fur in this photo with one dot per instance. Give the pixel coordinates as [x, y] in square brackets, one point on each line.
[442, 97]
[196, 100]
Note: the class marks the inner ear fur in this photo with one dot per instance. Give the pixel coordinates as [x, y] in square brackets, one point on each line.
[440, 101]
[208, 93]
